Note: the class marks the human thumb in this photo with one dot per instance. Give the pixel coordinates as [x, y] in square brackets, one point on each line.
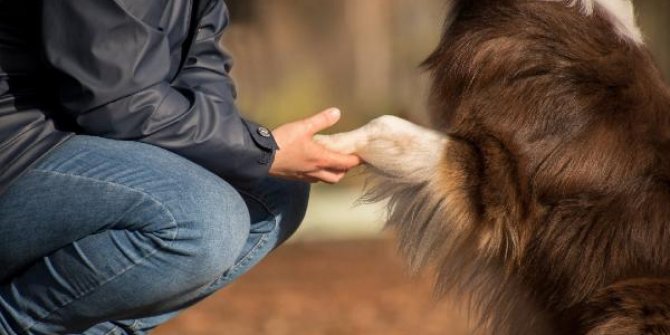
[323, 120]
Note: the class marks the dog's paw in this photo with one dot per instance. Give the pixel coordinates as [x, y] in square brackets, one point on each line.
[391, 145]
[380, 132]
[344, 143]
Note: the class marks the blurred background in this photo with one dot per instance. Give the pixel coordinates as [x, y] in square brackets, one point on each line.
[340, 274]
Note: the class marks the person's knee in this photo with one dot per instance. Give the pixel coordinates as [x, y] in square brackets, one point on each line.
[212, 232]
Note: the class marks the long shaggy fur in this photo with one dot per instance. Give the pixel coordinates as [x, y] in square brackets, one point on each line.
[550, 206]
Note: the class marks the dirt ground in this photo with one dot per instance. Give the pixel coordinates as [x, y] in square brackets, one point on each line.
[323, 288]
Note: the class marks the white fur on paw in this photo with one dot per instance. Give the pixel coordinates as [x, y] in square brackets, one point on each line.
[393, 146]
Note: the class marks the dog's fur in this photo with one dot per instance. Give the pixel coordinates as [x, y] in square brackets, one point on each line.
[544, 195]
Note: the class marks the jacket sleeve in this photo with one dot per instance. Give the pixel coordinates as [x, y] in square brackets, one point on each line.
[115, 83]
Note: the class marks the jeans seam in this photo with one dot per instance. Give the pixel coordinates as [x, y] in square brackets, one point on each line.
[40, 160]
[87, 292]
[112, 331]
[140, 261]
[136, 324]
[252, 253]
[122, 186]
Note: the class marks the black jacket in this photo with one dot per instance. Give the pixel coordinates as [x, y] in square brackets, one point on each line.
[123, 69]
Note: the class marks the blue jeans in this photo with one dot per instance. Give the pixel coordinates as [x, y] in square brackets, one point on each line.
[116, 237]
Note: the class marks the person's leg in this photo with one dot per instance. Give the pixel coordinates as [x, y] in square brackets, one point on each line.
[109, 230]
[277, 209]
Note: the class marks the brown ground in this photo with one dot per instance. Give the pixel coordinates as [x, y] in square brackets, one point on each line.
[323, 288]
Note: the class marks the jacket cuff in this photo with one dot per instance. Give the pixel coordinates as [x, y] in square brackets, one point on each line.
[264, 139]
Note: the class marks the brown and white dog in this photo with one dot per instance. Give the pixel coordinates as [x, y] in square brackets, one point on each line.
[543, 195]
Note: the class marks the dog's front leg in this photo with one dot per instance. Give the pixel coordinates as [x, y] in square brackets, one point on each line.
[394, 147]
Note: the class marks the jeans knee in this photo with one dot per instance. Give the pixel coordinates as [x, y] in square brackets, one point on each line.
[213, 233]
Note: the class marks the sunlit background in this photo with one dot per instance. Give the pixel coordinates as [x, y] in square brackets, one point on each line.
[340, 274]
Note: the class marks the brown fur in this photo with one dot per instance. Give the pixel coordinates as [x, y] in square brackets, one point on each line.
[551, 210]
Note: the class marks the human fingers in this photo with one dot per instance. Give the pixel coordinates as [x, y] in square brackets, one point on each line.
[327, 176]
[336, 161]
[323, 120]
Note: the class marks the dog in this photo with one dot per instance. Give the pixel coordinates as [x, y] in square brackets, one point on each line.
[541, 193]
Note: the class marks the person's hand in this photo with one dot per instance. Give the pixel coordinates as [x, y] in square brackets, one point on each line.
[300, 158]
